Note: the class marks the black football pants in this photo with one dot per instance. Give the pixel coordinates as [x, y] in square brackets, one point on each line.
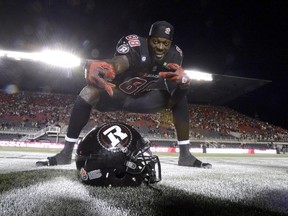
[151, 102]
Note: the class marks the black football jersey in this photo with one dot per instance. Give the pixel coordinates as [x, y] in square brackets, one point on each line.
[142, 75]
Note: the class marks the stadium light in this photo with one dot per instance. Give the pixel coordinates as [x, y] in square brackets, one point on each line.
[2, 53]
[59, 58]
[51, 57]
[67, 60]
[198, 75]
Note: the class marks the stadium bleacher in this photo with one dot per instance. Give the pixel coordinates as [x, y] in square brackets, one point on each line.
[28, 112]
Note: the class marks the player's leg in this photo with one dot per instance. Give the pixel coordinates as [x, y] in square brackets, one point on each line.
[157, 100]
[181, 122]
[89, 97]
[79, 117]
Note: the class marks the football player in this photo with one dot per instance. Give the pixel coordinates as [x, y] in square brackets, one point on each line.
[144, 76]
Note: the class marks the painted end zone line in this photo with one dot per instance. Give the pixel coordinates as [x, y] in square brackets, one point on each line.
[46, 145]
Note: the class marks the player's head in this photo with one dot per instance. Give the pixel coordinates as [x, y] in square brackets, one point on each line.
[160, 39]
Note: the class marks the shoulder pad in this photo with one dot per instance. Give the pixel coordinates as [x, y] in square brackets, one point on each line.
[175, 55]
[135, 48]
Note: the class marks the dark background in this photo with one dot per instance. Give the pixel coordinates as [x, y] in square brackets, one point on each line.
[237, 38]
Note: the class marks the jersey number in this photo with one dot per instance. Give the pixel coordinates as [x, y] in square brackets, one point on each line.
[133, 40]
[135, 85]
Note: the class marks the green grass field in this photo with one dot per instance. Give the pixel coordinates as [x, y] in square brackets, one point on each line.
[236, 185]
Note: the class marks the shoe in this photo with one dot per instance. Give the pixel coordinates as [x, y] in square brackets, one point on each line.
[62, 158]
[191, 162]
[206, 165]
[58, 159]
[42, 163]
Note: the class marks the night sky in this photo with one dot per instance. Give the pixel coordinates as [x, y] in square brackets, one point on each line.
[233, 37]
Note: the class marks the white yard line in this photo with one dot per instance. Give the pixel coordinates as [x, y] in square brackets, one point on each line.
[51, 196]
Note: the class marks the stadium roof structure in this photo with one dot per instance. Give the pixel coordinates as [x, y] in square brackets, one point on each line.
[34, 77]
[223, 89]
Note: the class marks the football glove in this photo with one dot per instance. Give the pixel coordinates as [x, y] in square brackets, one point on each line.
[100, 74]
[178, 75]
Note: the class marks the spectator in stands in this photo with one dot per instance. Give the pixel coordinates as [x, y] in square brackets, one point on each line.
[39, 109]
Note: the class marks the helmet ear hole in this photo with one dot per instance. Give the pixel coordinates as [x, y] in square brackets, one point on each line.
[119, 173]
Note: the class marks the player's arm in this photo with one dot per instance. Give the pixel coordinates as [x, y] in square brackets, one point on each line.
[101, 72]
[120, 63]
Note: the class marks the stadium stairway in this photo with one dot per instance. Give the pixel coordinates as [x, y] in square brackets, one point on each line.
[42, 132]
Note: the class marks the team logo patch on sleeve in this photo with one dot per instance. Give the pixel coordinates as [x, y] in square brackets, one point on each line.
[123, 49]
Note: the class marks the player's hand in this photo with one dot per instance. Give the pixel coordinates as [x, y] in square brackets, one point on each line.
[178, 75]
[99, 73]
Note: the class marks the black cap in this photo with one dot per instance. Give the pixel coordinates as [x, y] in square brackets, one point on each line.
[162, 29]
